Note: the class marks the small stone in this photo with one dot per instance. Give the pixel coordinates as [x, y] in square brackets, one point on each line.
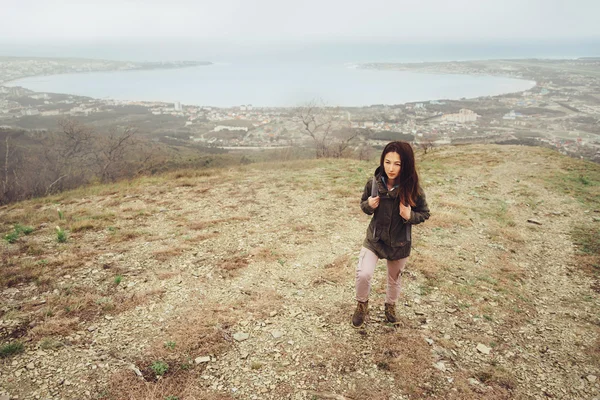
[277, 334]
[591, 378]
[91, 328]
[108, 317]
[482, 348]
[473, 381]
[440, 366]
[200, 360]
[273, 313]
[429, 341]
[419, 313]
[244, 355]
[241, 336]
[18, 373]
[30, 366]
[5, 397]
[451, 310]
[534, 221]
[135, 370]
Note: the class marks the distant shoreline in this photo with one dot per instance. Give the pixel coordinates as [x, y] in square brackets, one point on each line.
[438, 68]
[62, 66]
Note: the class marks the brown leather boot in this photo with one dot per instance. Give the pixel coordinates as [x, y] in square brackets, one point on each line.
[390, 313]
[360, 314]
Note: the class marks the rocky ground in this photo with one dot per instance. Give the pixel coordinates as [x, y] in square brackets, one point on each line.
[239, 284]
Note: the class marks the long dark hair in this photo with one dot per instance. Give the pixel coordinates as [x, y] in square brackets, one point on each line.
[408, 179]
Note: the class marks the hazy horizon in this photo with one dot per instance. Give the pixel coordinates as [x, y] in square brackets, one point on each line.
[366, 50]
[273, 20]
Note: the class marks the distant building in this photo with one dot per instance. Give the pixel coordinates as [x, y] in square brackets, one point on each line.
[30, 111]
[177, 106]
[462, 116]
[512, 115]
[230, 128]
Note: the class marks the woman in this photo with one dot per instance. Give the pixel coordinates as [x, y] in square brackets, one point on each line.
[396, 201]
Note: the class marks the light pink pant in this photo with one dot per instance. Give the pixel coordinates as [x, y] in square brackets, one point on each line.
[364, 272]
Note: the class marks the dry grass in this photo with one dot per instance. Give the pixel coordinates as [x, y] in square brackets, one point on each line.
[199, 334]
[87, 224]
[263, 254]
[232, 266]
[200, 225]
[303, 228]
[54, 327]
[123, 235]
[201, 237]
[340, 270]
[260, 303]
[404, 353]
[162, 275]
[168, 253]
[15, 271]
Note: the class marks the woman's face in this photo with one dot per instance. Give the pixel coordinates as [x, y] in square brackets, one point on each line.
[392, 165]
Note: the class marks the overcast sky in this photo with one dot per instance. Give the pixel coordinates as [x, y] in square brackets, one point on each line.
[279, 20]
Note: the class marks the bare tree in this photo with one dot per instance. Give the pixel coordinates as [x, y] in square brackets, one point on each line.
[111, 152]
[69, 156]
[426, 145]
[318, 123]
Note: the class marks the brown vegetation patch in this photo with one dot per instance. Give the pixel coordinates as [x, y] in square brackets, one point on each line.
[15, 271]
[303, 228]
[427, 265]
[122, 235]
[162, 275]
[340, 270]
[263, 254]
[232, 266]
[166, 254]
[87, 303]
[261, 302]
[86, 224]
[587, 240]
[205, 333]
[127, 386]
[405, 354]
[186, 183]
[55, 327]
[15, 331]
[199, 225]
[202, 237]
[202, 190]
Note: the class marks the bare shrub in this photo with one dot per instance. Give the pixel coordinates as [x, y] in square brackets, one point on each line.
[330, 137]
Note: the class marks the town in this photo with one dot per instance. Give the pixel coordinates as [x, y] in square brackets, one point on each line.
[561, 111]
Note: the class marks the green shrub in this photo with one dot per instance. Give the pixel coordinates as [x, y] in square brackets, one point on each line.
[61, 235]
[170, 345]
[159, 367]
[10, 349]
[11, 237]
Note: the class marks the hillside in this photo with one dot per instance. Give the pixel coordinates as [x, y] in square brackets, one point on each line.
[239, 283]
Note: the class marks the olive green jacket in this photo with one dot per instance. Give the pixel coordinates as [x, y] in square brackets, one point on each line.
[388, 234]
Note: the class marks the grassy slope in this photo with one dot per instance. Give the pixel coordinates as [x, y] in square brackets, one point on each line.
[193, 257]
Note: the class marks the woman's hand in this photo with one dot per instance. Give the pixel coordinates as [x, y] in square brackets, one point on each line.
[405, 211]
[373, 202]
